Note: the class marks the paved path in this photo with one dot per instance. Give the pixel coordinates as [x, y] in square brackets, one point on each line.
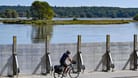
[89, 74]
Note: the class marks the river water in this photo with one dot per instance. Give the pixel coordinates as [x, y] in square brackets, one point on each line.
[28, 34]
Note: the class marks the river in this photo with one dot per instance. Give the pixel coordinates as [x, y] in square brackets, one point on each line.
[28, 34]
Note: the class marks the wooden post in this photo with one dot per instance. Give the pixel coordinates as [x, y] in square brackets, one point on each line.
[46, 53]
[13, 55]
[135, 51]
[78, 52]
[107, 52]
[107, 43]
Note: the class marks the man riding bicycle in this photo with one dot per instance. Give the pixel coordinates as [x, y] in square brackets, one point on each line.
[65, 56]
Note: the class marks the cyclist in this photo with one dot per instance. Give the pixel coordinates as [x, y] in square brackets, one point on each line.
[65, 56]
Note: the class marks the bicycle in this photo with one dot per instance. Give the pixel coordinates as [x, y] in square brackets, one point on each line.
[71, 71]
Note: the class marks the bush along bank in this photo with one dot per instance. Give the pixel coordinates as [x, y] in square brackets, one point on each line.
[62, 22]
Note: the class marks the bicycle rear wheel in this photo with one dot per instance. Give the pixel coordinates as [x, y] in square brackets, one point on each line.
[73, 73]
[57, 75]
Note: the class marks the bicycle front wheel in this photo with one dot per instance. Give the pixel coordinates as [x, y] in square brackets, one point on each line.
[73, 73]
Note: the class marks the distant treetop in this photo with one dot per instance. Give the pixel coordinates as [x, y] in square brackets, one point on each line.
[41, 10]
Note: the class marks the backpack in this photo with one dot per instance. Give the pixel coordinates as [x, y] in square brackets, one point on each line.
[58, 69]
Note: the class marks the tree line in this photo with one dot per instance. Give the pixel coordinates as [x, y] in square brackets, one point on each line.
[112, 12]
[19, 11]
[82, 12]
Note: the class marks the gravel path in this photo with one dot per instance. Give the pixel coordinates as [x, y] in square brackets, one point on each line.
[90, 74]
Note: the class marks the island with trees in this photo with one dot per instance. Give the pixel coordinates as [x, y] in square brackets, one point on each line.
[41, 12]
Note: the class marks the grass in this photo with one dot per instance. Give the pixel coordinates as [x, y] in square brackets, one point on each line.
[91, 22]
[63, 22]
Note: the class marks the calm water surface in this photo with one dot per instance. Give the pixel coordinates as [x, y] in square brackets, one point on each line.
[27, 34]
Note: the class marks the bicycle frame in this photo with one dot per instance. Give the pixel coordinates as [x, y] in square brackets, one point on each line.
[70, 72]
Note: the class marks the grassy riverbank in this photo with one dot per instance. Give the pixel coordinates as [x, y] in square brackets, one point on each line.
[62, 22]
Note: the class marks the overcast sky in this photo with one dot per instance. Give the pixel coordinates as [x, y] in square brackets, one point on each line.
[109, 3]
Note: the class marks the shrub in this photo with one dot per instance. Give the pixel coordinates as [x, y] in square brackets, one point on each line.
[135, 17]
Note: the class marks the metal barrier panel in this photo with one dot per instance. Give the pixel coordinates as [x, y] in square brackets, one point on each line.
[29, 55]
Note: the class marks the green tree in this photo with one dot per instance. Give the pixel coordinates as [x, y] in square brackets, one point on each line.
[2, 15]
[135, 17]
[10, 13]
[41, 10]
[28, 14]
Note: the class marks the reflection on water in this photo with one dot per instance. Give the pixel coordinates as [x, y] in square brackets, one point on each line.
[136, 24]
[40, 32]
[28, 34]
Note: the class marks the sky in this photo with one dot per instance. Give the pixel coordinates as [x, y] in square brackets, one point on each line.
[75, 3]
